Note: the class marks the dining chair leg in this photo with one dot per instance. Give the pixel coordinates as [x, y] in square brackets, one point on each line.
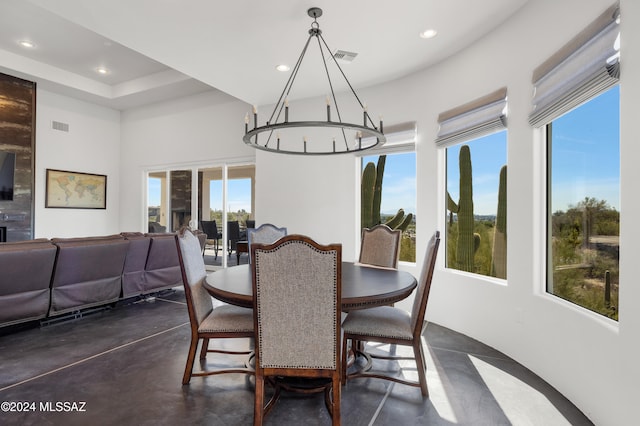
[343, 367]
[335, 406]
[258, 409]
[421, 366]
[205, 348]
[190, 358]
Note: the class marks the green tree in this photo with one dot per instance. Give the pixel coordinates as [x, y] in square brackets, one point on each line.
[585, 269]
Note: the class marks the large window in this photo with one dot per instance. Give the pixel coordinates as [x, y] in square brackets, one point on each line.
[577, 100]
[584, 204]
[474, 136]
[476, 206]
[392, 200]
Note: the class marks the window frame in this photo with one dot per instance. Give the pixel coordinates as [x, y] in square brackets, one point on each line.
[547, 283]
[445, 148]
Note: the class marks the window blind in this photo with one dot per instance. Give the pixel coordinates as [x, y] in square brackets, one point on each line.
[582, 69]
[401, 137]
[480, 117]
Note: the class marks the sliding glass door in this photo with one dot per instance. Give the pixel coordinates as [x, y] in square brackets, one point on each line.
[225, 193]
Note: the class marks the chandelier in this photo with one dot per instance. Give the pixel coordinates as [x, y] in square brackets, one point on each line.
[321, 137]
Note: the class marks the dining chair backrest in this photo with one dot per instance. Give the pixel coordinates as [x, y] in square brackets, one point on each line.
[193, 276]
[308, 318]
[380, 246]
[297, 285]
[264, 234]
[424, 285]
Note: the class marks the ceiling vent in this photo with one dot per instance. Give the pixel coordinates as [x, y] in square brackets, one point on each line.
[63, 127]
[344, 56]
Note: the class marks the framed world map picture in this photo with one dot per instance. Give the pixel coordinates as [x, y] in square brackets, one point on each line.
[73, 190]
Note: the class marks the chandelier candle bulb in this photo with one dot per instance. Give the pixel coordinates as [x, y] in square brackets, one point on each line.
[305, 143]
[286, 110]
[246, 124]
[364, 114]
[328, 109]
[255, 118]
[334, 144]
[381, 131]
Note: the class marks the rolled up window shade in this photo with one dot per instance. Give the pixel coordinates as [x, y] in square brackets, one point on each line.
[475, 119]
[585, 67]
[401, 137]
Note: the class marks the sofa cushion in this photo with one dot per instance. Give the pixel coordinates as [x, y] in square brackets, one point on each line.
[133, 275]
[25, 275]
[162, 270]
[88, 272]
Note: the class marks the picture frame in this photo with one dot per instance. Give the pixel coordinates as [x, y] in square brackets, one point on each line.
[75, 190]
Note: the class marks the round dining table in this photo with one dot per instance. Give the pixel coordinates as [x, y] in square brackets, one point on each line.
[363, 286]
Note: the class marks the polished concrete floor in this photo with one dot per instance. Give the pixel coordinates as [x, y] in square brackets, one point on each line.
[124, 366]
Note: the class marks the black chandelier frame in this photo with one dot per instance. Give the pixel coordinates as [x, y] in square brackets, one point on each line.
[367, 134]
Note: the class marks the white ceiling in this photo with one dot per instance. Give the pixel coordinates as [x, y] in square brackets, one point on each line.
[159, 49]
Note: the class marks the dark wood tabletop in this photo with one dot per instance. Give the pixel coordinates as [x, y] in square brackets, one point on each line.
[362, 286]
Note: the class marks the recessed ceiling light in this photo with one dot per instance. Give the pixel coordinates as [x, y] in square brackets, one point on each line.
[283, 68]
[102, 70]
[26, 43]
[431, 33]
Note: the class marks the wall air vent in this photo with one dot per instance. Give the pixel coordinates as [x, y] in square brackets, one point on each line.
[57, 125]
[345, 56]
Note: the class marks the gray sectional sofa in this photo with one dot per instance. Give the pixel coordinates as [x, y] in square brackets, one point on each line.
[47, 278]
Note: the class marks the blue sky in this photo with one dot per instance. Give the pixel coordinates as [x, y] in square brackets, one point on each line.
[238, 196]
[488, 155]
[585, 158]
[398, 183]
[586, 153]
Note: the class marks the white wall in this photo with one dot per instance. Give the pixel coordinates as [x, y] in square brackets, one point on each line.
[92, 145]
[590, 359]
[313, 196]
[202, 129]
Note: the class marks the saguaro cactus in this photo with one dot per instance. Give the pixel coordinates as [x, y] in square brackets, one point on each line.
[499, 255]
[371, 193]
[399, 221]
[371, 198]
[468, 242]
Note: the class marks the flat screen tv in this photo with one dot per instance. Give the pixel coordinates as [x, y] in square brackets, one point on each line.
[7, 172]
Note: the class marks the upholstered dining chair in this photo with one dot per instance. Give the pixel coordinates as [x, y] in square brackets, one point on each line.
[210, 227]
[207, 322]
[387, 324]
[264, 234]
[297, 335]
[380, 246]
